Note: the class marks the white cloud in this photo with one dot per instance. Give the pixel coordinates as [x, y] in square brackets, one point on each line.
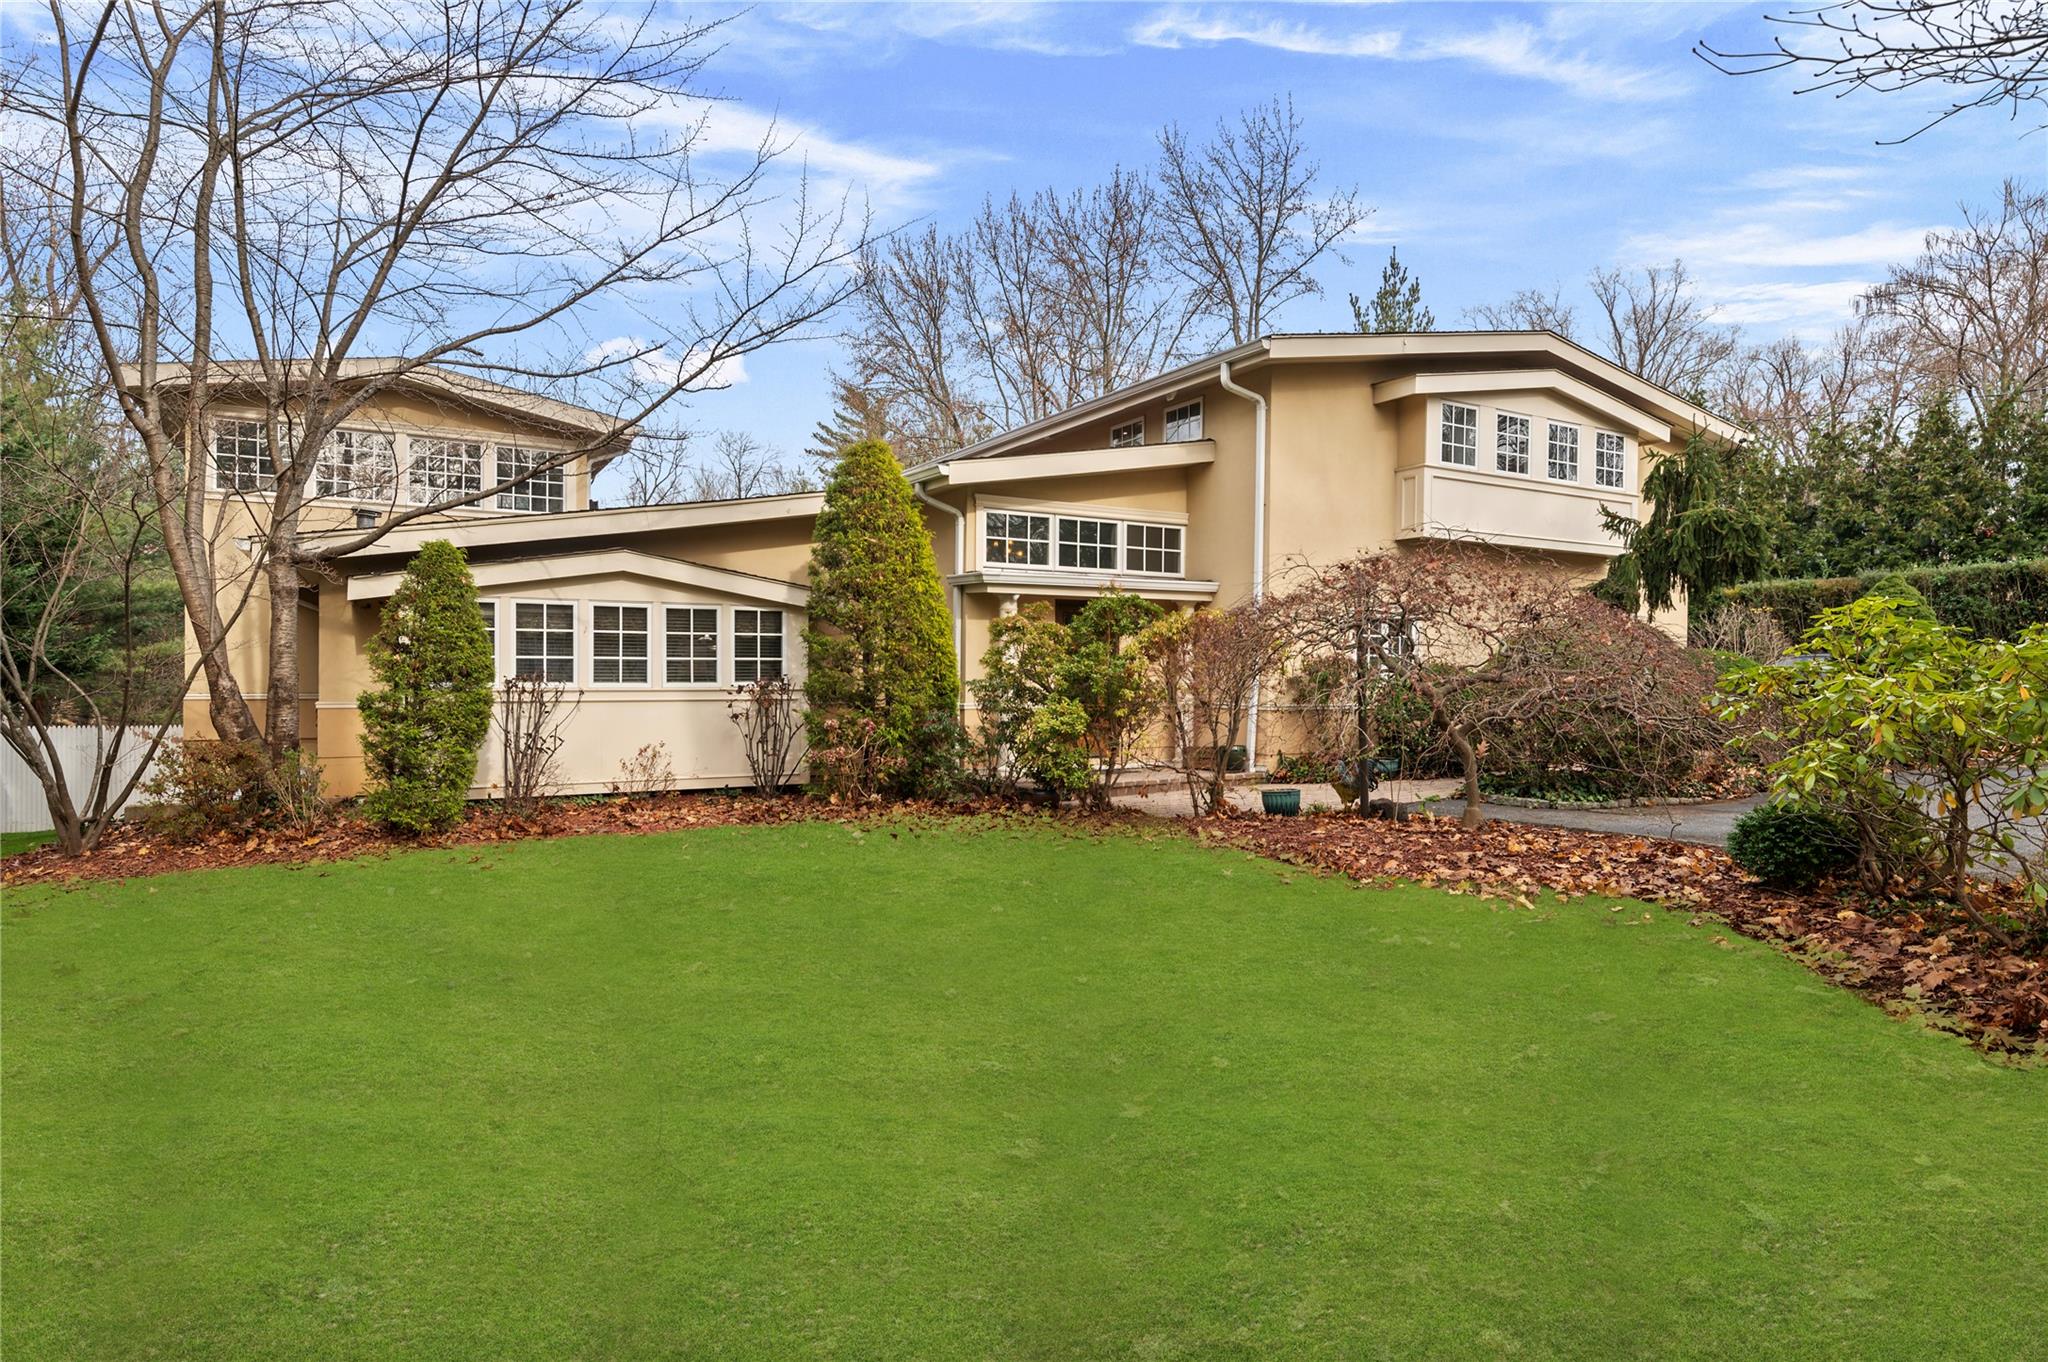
[656, 368]
[1810, 308]
[1723, 244]
[1174, 28]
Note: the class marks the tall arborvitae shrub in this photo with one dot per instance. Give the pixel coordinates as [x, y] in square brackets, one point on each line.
[431, 707]
[882, 686]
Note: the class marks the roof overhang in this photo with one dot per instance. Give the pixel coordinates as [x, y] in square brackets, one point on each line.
[514, 530]
[1575, 391]
[1041, 582]
[540, 571]
[1066, 464]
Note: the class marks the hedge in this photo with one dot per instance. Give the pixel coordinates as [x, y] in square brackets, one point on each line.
[1991, 600]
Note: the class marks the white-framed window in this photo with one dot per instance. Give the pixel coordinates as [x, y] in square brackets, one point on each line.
[1128, 434]
[540, 492]
[1510, 442]
[1086, 543]
[618, 645]
[1014, 537]
[241, 457]
[489, 610]
[1184, 422]
[1152, 548]
[360, 464]
[442, 469]
[690, 649]
[544, 640]
[1564, 452]
[1610, 459]
[756, 645]
[1458, 434]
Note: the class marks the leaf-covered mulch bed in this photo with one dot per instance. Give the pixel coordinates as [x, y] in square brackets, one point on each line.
[1906, 958]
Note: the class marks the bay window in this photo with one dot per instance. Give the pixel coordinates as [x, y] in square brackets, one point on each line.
[1610, 459]
[1458, 435]
[1510, 442]
[1564, 452]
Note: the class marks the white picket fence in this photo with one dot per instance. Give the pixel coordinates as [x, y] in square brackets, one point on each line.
[23, 807]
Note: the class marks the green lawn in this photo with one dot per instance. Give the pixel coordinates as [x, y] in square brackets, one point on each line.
[809, 1091]
[15, 843]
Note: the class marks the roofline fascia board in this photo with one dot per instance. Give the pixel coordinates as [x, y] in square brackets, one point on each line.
[1645, 426]
[601, 563]
[1074, 463]
[1040, 582]
[529, 528]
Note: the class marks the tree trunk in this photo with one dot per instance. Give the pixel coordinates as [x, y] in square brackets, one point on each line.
[281, 718]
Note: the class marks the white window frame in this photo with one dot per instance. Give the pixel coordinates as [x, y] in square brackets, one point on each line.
[487, 606]
[1179, 549]
[1183, 423]
[334, 477]
[1027, 539]
[261, 465]
[646, 633]
[535, 494]
[781, 637]
[574, 631]
[1060, 543]
[423, 450]
[1128, 435]
[1606, 443]
[1500, 451]
[690, 659]
[1551, 444]
[1469, 453]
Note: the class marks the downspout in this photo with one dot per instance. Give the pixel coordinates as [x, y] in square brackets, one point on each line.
[954, 596]
[1251, 736]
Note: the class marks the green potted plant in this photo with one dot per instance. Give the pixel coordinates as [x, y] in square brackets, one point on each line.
[1283, 800]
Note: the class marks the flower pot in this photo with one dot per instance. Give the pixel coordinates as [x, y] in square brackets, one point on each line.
[1284, 802]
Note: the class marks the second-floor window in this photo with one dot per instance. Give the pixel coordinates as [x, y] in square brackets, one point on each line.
[1458, 435]
[360, 464]
[446, 469]
[1510, 442]
[241, 457]
[1152, 548]
[1087, 543]
[1564, 452]
[1184, 422]
[1025, 540]
[1128, 434]
[540, 492]
[1610, 459]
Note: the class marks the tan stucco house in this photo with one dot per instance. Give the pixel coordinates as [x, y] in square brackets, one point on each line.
[1195, 487]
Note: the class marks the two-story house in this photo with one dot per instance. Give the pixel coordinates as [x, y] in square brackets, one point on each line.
[1199, 486]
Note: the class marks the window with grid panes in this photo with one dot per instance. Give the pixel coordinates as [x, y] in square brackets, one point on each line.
[1152, 548]
[544, 640]
[1025, 540]
[618, 645]
[1087, 543]
[756, 645]
[692, 651]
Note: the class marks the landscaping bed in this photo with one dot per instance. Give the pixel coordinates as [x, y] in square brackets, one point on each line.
[1917, 959]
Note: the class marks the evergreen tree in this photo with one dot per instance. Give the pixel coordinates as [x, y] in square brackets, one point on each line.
[858, 413]
[1697, 535]
[882, 683]
[431, 707]
[1893, 586]
[1398, 304]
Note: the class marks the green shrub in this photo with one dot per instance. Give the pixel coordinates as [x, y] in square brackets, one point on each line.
[203, 787]
[1991, 600]
[431, 707]
[1792, 846]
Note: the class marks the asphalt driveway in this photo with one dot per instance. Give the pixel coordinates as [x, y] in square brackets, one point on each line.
[1707, 824]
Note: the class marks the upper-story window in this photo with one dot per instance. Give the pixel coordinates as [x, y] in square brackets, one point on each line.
[360, 464]
[1128, 434]
[241, 457]
[446, 469]
[1015, 538]
[1087, 543]
[1610, 459]
[1510, 442]
[1564, 452]
[1459, 435]
[540, 492]
[1184, 422]
[1153, 548]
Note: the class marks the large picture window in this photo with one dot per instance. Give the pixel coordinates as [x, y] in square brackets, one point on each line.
[1087, 543]
[618, 645]
[1153, 548]
[241, 457]
[1510, 442]
[1459, 435]
[1610, 459]
[1184, 422]
[359, 464]
[1025, 540]
[446, 469]
[1564, 452]
[692, 651]
[540, 492]
[756, 645]
[544, 640]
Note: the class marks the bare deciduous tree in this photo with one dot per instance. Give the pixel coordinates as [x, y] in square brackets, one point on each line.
[1976, 54]
[1529, 310]
[1658, 327]
[1244, 220]
[352, 196]
[740, 465]
[1208, 666]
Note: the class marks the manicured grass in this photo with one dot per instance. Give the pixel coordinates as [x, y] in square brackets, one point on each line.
[15, 843]
[810, 1091]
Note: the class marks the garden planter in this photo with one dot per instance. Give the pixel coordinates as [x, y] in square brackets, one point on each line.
[1286, 803]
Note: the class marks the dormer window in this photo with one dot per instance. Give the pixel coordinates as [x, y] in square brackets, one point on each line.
[1184, 422]
[1458, 435]
[540, 491]
[241, 457]
[1128, 434]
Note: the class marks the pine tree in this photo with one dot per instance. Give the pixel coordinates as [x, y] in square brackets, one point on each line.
[858, 413]
[1398, 304]
[1697, 535]
[882, 683]
[430, 709]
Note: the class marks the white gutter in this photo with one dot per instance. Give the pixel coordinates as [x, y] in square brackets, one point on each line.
[959, 567]
[1251, 736]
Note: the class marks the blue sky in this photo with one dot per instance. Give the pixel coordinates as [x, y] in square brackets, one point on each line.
[1504, 146]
